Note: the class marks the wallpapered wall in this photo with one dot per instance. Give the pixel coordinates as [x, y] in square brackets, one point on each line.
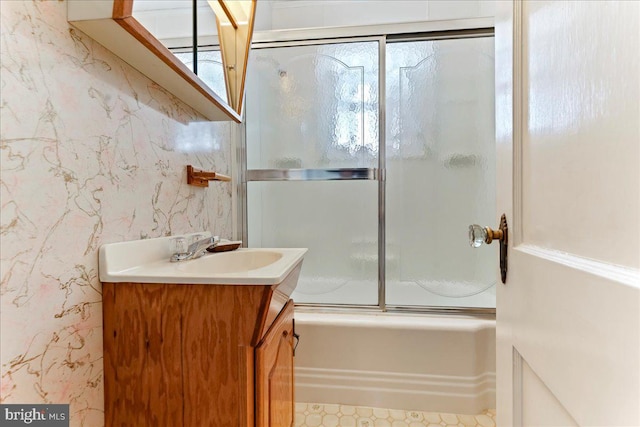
[91, 152]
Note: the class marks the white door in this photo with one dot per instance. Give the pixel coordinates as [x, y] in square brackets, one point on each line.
[568, 132]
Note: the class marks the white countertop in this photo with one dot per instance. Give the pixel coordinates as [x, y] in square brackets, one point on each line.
[147, 261]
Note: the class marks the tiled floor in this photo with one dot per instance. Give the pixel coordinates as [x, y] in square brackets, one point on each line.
[325, 415]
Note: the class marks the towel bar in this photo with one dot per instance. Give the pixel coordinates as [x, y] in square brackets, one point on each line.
[201, 178]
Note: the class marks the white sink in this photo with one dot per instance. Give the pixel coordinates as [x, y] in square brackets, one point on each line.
[147, 261]
[231, 262]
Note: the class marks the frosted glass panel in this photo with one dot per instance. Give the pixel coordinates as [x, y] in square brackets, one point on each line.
[440, 172]
[313, 106]
[186, 56]
[210, 69]
[337, 221]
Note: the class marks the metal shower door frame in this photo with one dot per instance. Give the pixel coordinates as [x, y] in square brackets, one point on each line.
[467, 28]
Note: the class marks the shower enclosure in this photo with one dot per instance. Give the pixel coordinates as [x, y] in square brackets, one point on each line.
[376, 153]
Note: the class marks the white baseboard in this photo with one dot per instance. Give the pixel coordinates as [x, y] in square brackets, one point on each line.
[437, 393]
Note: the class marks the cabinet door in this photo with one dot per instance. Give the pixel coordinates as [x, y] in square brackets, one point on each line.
[274, 373]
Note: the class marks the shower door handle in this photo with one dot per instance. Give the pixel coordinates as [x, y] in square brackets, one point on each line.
[485, 235]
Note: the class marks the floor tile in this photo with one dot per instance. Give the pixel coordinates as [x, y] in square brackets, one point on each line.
[333, 415]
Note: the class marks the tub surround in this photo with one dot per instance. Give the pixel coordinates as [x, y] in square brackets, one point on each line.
[92, 152]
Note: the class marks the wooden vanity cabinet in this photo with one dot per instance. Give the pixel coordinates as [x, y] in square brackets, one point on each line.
[199, 355]
[274, 373]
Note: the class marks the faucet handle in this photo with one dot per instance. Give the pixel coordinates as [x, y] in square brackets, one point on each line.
[197, 247]
[179, 249]
[178, 245]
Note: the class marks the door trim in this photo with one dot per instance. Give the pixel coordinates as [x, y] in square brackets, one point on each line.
[623, 275]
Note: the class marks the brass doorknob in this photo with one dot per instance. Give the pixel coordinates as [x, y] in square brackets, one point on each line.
[479, 235]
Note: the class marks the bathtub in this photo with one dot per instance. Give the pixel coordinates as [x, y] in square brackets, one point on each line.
[412, 362]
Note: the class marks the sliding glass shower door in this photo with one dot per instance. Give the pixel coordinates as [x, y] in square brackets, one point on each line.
[440, 162]
[381, 192]
[312, 157]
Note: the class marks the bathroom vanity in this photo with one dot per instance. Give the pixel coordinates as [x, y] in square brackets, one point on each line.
[183, 352]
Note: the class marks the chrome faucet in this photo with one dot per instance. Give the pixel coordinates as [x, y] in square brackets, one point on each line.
[196, 249]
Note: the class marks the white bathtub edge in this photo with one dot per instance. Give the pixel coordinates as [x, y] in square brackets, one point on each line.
[408, 362]
[395, 320]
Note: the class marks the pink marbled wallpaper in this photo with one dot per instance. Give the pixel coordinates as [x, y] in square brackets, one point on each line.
[91, 152]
